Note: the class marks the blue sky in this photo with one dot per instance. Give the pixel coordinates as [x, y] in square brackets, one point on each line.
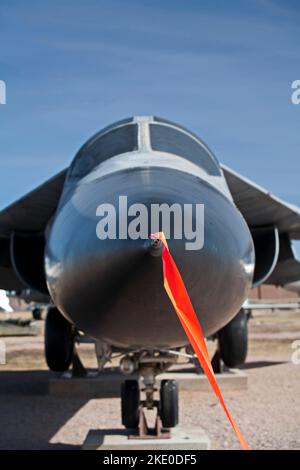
[221, 68]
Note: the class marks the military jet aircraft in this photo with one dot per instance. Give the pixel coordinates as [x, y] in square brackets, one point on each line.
[110, 287]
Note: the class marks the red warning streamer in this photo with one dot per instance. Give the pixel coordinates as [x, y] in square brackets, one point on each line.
[179, 297]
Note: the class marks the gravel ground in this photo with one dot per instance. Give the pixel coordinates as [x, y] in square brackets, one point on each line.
[268, 412]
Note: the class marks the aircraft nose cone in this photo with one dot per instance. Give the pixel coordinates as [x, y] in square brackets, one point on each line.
[113, 288]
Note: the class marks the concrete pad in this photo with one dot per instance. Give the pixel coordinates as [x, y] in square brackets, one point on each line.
[19, 328]
[117, 439]
[108, 383]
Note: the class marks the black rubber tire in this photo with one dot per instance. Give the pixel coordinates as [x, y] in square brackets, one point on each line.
[169, 403]
[59, 341]
[233, 340]
[130, 402]
[37, 313]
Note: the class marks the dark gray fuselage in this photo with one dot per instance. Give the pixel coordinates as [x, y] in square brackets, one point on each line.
[112, 289]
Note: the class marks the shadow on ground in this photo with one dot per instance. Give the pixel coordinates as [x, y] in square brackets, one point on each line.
[259, 364]
[28, 415]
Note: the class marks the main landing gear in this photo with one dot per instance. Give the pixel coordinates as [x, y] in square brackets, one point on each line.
[133, 406]
[60, 350]
[59, 341]
[232, 342]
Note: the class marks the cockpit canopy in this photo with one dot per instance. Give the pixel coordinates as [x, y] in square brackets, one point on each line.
[123, 137]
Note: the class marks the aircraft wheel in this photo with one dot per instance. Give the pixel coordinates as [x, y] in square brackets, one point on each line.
[169, 403]
[59, 341]
[130, 402]
[37, 313]
[233, 340]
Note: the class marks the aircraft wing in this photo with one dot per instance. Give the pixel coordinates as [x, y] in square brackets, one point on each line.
[30, 213]
[262, 209]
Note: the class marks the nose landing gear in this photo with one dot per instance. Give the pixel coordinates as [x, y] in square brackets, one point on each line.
[134, 407]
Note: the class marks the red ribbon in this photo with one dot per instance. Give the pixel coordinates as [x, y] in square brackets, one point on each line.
[180, 299]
